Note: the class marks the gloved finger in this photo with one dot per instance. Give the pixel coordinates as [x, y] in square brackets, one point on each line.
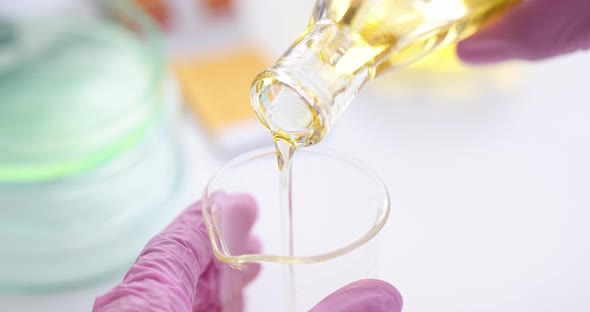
[535, 29]
[363, 295]
[235, 217]
[246, 272]
[231, 285]
[222, 285]
[166, 274]
[235, 220]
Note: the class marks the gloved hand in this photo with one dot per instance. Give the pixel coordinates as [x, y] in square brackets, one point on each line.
[178, 272]
[534, 30]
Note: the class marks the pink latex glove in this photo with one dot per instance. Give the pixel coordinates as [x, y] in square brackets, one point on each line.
[534, 30]
[177, 272]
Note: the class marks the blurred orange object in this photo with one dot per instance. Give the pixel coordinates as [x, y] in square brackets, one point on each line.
[218, 5]
[157, 9]
[217, 89]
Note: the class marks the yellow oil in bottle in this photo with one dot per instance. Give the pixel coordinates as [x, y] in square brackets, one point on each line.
[348, 43]
[394, 33]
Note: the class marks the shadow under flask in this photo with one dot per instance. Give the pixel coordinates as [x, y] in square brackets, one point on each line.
[348, 43]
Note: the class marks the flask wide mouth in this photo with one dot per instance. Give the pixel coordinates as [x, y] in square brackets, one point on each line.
[287, 109]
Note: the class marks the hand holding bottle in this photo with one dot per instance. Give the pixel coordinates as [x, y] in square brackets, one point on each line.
[534, 30]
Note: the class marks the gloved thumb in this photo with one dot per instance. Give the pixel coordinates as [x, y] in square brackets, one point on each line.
[364, 295]
[534, 30]
[176, 271]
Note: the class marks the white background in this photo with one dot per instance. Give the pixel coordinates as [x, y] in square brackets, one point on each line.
[490, 196]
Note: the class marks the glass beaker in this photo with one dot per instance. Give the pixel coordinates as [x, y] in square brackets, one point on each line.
[339, 206]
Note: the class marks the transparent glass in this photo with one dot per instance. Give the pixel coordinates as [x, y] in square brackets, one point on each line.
[72, 232]
[346, 44]
[79, 85]
[339, 207]
[91, 166]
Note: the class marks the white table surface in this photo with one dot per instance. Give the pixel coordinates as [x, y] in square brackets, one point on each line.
[490, 199]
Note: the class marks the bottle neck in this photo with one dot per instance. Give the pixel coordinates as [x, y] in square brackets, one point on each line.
[299, 98]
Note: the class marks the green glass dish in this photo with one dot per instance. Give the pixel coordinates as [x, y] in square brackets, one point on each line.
[78, 86]
[91, 162]
[67, 233]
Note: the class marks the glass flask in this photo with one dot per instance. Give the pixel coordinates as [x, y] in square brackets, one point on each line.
[348, 43]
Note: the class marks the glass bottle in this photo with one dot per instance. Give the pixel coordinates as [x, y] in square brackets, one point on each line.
[348, 43]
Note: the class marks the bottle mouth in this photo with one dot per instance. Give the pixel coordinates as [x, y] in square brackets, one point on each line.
[287, 109]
